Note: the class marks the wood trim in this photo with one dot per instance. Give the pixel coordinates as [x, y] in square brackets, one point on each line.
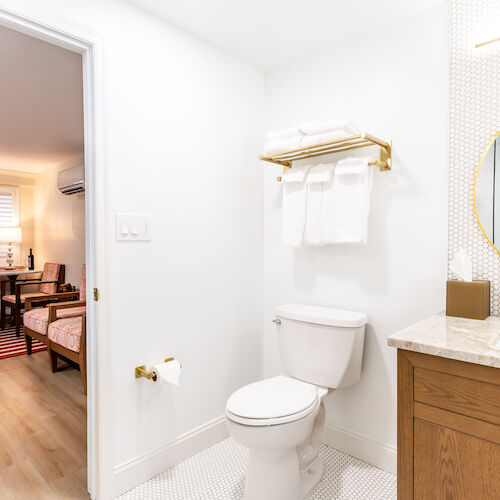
[452, 465]
[63, 351]
[460, 423]
[469, 392]
[454, 367]
[38, 336]
[80, 357]
[465, 396]
[405, 427]
[56, 306]
[55, 296]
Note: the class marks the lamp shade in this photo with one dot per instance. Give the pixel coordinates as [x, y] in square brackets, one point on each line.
[10, 235]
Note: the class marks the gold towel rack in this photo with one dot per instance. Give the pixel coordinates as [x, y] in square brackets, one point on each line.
[363, 140]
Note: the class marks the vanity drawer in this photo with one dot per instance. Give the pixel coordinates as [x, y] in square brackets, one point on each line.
[466, 396]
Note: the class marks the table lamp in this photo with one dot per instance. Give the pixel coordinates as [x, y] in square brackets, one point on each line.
[10, 235]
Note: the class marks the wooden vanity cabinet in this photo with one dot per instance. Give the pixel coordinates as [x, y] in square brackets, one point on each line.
[448, 429]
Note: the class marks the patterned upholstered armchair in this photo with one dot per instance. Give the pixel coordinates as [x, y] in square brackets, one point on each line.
[52, 277]
[68, 339]
[36, 321]
[67, 333]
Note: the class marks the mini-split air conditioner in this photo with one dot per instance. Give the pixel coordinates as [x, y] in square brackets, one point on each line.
[71, 180]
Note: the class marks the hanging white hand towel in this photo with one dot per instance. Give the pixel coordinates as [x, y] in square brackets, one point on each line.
[347, 202]
[294, 205]
[319, 177]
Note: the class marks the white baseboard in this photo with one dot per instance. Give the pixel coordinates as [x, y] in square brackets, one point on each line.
[379, 454]
[140, 469]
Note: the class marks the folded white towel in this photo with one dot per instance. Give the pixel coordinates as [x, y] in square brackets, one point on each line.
[294, 205]
[278, 135]
[319, 177]
[271, 147]
[347, 202]
[314, 128]
[311, 140]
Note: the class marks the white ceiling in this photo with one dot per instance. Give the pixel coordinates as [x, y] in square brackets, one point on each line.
[269, 33]
[41, 103]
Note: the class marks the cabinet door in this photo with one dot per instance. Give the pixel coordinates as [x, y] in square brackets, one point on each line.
[451, 465]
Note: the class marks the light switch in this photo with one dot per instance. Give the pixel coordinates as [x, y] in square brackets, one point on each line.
[132, 227]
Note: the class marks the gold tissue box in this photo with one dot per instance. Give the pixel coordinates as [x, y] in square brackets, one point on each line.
[468, 299]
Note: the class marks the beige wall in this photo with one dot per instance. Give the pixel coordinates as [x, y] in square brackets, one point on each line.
[59, 224]
[53, 224]
[26, 184]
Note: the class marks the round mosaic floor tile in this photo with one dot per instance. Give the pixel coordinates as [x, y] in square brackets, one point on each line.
[218, 473]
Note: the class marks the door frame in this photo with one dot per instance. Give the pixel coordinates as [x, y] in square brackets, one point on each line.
[47, 27]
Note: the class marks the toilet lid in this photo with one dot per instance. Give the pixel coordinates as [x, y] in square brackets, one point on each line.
[272, 398]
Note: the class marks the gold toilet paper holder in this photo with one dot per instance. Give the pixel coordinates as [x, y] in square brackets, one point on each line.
[140, 371]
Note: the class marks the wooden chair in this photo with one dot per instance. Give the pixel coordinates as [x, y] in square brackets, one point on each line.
[66, 331]
[68, 339]
[52, 277]
[36, 321]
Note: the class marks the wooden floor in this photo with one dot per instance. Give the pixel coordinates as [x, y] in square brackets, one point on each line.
[42, 431]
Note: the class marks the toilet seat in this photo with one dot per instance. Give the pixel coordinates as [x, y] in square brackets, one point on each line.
[273, 401]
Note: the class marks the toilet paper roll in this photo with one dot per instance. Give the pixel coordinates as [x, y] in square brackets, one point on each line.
[168, 373]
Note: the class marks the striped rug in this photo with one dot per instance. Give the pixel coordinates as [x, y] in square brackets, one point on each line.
[10, 345]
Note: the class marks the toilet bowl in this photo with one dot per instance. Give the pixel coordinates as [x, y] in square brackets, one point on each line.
[280, 419]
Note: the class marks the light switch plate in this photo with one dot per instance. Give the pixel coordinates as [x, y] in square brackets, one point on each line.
[132, 227]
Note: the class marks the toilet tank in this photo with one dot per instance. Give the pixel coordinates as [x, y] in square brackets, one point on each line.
[321, 345]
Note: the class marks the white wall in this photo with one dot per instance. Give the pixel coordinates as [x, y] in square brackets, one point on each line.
[183, 132]
[396, 86]
[59, 224]
[183, 126]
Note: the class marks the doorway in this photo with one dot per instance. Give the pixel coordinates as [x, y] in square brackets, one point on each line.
[98, 470]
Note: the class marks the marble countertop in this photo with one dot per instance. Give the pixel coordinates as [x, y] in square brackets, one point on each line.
[471, 340]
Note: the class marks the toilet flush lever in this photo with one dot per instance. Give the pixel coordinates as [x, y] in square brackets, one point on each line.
[277, 321]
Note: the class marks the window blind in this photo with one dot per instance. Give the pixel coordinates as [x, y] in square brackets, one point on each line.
[7, 212]
[9, 217]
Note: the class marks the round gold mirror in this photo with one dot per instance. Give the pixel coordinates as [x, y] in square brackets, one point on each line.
[487, 193]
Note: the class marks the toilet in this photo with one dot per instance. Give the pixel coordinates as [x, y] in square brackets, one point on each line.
[280, 419]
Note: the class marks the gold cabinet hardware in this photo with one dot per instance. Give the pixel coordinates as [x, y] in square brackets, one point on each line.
[96, 294]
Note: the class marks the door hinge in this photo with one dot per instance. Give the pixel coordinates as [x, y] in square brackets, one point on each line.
[96, 294]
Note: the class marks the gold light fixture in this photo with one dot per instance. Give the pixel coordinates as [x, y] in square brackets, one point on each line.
[482, 44]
